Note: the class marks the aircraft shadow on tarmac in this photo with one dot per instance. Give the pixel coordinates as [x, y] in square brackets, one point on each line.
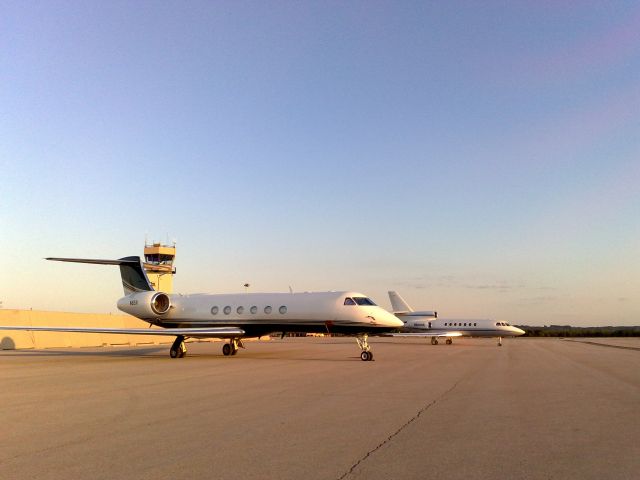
[161, 352]
[129, 352]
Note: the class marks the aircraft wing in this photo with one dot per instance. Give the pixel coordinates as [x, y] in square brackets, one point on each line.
[210, 332]
[423, 334]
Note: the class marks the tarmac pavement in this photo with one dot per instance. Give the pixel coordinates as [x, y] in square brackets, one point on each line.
[310, 408]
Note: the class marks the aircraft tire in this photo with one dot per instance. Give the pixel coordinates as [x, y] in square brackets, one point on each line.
[173, 353]
[366, 356]
[226, 349]
[449, 341]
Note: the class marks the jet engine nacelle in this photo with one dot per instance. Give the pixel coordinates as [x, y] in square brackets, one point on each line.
[145, 304]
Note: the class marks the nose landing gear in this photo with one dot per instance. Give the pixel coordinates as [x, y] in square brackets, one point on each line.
[366, 355]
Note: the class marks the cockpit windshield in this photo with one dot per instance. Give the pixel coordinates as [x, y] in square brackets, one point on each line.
[364, 301]
[359, 301]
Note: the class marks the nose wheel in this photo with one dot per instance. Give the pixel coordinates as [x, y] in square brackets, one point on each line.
[366, 355]
[178, 349]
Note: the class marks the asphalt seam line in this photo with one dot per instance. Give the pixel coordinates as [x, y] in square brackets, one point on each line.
[394, 434]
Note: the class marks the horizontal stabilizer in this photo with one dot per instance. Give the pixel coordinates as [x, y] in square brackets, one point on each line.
[211, 332]
[121, 261]
[134, 278]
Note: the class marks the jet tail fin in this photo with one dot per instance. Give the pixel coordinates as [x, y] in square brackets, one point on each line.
[398, 304]
[134, 278]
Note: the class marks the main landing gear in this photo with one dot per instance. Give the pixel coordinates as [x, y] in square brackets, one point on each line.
[434, 341]
[499, 341]
[366, 355]
[231, 348]
[178, 349]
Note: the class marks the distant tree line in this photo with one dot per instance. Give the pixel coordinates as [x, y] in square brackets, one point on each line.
[545, 331]
[569, 331]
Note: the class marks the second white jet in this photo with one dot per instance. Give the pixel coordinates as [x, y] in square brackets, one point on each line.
[427, 324]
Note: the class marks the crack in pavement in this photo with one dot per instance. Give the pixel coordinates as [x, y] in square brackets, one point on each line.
[603, 344]
[394, 434]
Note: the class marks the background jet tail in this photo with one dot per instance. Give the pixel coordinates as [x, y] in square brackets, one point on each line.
[134, 278]
[398, 304]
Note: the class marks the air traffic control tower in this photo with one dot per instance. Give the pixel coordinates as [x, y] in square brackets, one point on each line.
[158, 263]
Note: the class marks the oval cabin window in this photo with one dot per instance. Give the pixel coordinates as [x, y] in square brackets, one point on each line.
[282, 309]
[214, 310]
[227, 310]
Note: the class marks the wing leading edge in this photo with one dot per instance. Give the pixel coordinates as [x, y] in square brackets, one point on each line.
[212, 332]
[425, 334]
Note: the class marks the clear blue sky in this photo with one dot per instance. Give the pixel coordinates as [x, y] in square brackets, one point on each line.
[482, 158]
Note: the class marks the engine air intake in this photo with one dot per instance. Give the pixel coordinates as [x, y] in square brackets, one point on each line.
[160, 303]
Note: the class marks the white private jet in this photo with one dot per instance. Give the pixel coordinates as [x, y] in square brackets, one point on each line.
[236, 316]
[427, 324]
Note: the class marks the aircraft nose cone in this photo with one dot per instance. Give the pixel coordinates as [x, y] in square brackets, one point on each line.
[396, 322]
[382, 318]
